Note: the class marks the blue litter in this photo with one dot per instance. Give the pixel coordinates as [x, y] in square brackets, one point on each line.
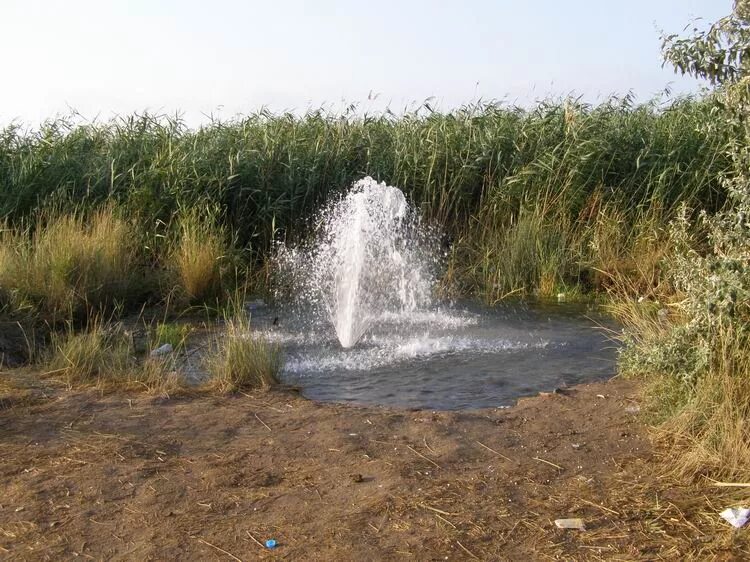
[270, 543]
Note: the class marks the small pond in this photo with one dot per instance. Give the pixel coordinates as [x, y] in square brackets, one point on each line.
[449, 357]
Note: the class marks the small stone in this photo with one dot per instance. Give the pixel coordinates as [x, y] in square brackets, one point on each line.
[357, 478]
[163, 350]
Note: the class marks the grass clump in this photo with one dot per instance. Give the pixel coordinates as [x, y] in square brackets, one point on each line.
[102, 355]
[97, 356]
[200, 257]
[170, 333]
[69, 265]
[242, 359]
[158, 376]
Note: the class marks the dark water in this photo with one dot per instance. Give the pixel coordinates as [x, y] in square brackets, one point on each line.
[462, 356]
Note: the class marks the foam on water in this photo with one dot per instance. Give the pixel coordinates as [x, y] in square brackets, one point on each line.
[378, 352]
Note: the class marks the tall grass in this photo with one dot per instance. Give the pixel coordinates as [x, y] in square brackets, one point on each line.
[201, 256]
[267, 173]
[485, 173]
[68, 265]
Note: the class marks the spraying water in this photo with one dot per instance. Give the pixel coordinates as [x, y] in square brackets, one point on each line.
[371, 257]
[358, 323]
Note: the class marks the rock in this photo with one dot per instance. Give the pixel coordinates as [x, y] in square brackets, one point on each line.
[254, 305]
[162, 350]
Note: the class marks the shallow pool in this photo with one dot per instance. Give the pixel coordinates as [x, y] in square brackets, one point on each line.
[450, 357]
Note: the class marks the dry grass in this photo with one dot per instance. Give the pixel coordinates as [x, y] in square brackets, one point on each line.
[158, 376]
[70, 265]
[241, 359]
[98, 356]
[709, 434]
[21, 387]
[199, 255]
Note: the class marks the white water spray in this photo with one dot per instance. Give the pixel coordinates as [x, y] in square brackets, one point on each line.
[370, 258]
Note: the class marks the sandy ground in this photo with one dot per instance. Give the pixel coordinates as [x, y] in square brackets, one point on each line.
[129, 477]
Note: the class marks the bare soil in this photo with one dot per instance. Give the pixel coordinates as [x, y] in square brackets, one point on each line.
[129, 477]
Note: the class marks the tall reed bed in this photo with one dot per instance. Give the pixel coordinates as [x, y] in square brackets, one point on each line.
[267, 173]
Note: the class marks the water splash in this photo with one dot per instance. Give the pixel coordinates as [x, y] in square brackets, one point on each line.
[370, 257]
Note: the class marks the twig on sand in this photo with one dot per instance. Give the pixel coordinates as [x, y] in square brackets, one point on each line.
[557, 466]
[467, 551]
[493, 451]
[261, 421]
[440, 511]
[424, 440]
[600, 506]
[444, 520]
[413, 450]
[256, 541]
[232, 556]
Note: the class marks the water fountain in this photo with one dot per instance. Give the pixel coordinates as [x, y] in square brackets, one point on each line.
[371, 257]
[358, 321]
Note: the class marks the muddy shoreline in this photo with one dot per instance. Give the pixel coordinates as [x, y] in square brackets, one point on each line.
[125, 476]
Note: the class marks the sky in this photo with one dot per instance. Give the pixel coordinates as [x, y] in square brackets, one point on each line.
[226, 57]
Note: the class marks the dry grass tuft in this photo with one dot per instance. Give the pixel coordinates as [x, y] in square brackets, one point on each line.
[200, 253]
[98, 356]
[241, 359]
[70, 265]
[158, 376]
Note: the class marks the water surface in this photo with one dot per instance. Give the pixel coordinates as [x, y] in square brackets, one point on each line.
[447, 357]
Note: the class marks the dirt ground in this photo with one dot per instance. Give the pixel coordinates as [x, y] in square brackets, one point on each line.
[129, 477]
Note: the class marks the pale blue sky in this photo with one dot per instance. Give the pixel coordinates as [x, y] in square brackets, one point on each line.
[229, 56]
